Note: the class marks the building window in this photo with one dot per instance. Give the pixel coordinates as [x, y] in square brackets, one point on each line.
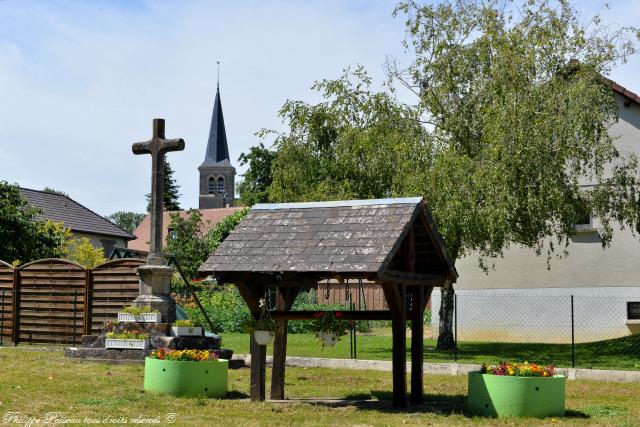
[221, 185]
[212, 185]
[633, 310]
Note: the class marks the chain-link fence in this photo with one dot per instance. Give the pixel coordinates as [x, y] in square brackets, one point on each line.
[597, 331]
[588, 331]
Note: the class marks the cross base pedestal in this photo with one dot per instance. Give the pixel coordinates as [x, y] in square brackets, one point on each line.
[155, 285]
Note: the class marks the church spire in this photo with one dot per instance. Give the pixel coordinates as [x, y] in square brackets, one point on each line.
[217, 174]
[217, 149]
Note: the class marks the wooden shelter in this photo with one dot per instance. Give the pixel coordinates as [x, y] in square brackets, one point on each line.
[293, 246]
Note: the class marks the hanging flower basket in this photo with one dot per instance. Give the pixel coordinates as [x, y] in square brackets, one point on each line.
[329, 327]
[188, 373]
[263, 329]
[524, 390]
[328, 339]
[264, 337]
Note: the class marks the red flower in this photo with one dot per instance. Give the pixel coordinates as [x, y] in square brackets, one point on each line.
[338, 314]
[317, 315]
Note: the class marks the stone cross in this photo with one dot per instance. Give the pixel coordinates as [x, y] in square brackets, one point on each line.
[157, 146]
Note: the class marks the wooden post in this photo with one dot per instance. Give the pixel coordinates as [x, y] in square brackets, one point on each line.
[284, 301]
[251, 296]
[16, 307]
[417, 343]
[88, 298]
[399, 363]
[258, 369]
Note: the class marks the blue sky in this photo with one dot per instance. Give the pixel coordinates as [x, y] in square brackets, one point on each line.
[80, 81]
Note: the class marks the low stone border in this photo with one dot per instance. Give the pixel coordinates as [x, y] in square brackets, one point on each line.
[603, 375]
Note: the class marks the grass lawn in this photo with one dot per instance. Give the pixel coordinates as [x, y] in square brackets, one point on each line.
[34, 383]
[622, 353]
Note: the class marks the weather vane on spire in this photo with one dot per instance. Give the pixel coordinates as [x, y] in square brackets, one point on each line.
[218, 84]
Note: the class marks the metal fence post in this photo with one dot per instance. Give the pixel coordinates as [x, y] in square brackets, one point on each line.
[573, 337]
[455, 330]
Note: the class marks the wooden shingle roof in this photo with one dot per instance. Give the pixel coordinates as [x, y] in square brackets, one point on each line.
[352, 236]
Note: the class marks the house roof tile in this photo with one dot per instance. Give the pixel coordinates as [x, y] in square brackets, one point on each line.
[61, 208]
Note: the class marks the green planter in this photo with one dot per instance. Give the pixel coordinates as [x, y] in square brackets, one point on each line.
[182, 378]
[505, 396]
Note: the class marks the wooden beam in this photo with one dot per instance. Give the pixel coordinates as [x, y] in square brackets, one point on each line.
[288, 279]
[427, 296]
[411, 252]
[251, 296]
[346, 315]
[391, 294]
[284, 300]
[399, 364]
[417, 344]
[258, 369]
[438, 243]
[413, 279]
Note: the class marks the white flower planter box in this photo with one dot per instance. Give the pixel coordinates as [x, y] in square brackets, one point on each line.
[186, 331]
[126, 344]
[142, 318]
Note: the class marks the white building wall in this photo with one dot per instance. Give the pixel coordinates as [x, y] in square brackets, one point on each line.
[520, 299]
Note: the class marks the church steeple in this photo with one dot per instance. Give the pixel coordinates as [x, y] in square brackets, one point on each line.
[217, 149]
[217, 175]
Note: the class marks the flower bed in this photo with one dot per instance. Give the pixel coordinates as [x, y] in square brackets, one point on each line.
[186, 373]
[521, 390]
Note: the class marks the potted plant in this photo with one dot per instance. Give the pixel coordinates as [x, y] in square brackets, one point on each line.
[185, 328]
[186, 373]
[129, 340]
[133, 313]
[263, 328]
[516, 390]
[329, 327]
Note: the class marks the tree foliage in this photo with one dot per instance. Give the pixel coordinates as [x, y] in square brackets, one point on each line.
[508, 139]
[258, 177]
[357, 143]
[23, 238]
[126, 220]
[84, 253]
[171, 195]
[519, 113]
[192, 240]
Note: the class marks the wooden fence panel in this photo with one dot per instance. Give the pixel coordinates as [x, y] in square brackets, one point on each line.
[373, 298]
[6, 302]
[113, 285]
[51, 296]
